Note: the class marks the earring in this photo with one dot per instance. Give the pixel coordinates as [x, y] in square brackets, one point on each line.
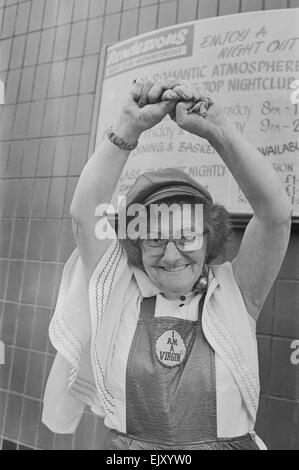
[201, 284]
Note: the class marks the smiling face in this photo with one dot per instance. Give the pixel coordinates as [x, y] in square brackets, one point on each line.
[175, 272]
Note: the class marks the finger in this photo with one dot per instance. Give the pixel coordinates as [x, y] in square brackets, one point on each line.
[143, 100]
[136, 89]
[186, 93]
[160, 110]
[158, 89]
[170, 95]
[182, 109]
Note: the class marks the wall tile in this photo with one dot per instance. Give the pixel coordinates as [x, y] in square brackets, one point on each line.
[67, 244]
[89, 74]
[264, 349]
[10, 316]
[112, 6]
[22, 17]
[31, 148]
[80, 10]
[251, 5]
[286, 309]
[280, 427]
[30, 284]
[77, 39]
[36, 16]
[5, 237]
[262, 419]
[40, 197]
[129, 23]
[71, 185]
[72, 77]
[100, 434]
[14, 280]
[11, 198]
[25, 323]
[46, 157]
[52, 114]
[56, 197]
[290, 266]
[61, 42]
[17, 54]
[67, 116]
[19, 240]
[84, 114]
[111, 29]
[27, 82]
[283, 372]
[3, 275]
[47, 284]
[37, 110]
[40, 328]
[5, 50]
[46, 45]
[273, 4]
[36, 239]
[51, 12]
[15, 159]
[4, 149]
[96, 8]
[61, 156]
[167, 14]
[94, 34]
[9, 21]
[51, 240]
[56, 79]
[3, 398]
[85, 433]
[13, 416]
[147, 19]
[9, 445]
[130, 4]
[25, 198]
[65, 13]
[5, 371]
[79, 154]
[32, 47]
[12, 87]
[21, 119]
[31, 419]
[207, 8]
[187, 13]
[63, 442]
[45, 436]
[228, 7]
[35, 377]
[19, 369]
[41, 82]
[7, 121]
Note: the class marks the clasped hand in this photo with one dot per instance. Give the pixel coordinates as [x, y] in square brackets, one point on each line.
[149, 102]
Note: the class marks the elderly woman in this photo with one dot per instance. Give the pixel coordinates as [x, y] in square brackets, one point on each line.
[171, 350]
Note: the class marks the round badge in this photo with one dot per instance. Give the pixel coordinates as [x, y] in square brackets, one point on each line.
[170, 348]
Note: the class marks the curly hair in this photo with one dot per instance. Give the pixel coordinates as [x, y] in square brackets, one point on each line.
[216, 223]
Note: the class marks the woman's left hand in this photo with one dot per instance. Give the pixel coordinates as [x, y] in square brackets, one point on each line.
[211, 127]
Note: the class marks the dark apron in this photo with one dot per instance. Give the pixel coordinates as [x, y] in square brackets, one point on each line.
[171, 388]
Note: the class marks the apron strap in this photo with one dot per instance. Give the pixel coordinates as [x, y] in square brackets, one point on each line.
[148, 307]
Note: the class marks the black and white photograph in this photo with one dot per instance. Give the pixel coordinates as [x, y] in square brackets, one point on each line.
[149, 227]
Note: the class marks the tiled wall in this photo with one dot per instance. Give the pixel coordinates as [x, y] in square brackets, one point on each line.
[49, 57]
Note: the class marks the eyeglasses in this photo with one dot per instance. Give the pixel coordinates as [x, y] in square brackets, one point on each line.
[186, 244]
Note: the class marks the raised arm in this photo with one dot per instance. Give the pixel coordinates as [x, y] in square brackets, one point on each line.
[102, 171]
[265, 240]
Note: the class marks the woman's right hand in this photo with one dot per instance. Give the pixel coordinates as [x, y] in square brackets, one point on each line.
[138, 113]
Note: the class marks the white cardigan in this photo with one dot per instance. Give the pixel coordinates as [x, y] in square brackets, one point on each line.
[84, 327]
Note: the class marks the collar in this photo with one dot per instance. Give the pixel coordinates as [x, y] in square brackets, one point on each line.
[149, 289]
[146, 286]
